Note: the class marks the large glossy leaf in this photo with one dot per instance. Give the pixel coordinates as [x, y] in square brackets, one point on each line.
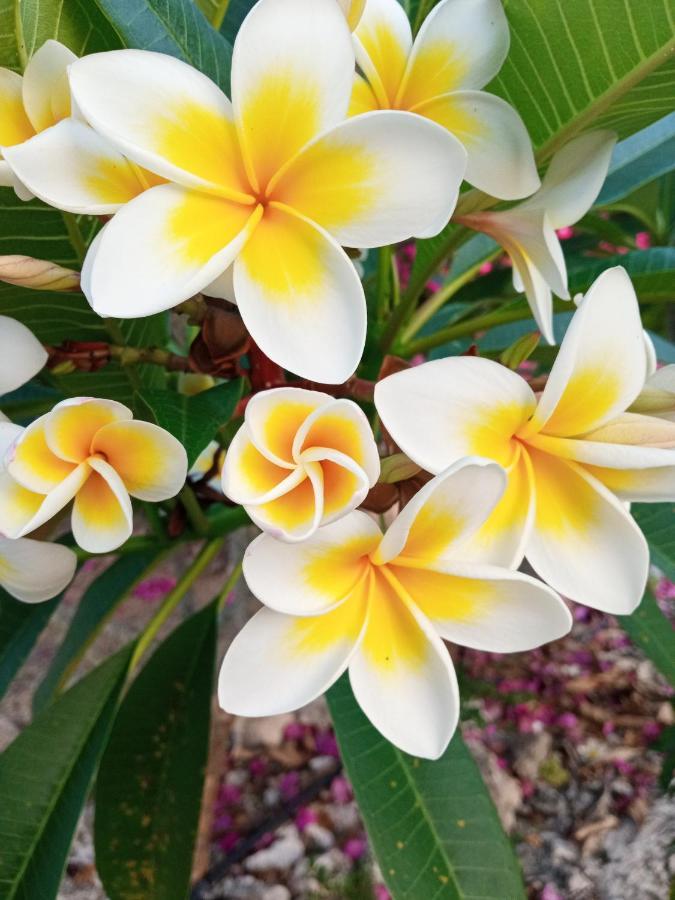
[640, 159]
[237, 10]
[657, 521]
[193, 420]
[20, 626]
[580, 64]
[97, 604]
[653, 633]
[214, 10]
[78, 24]
[433, 826]
[652, 272]
[45, 777]
[150, 783]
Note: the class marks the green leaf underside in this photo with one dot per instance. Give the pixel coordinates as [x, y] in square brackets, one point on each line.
[193, 420]
[97, 604]
[433, 825]
[640, 159]
[653, 633]
[20, 626]
[44, 782]
[150, 782]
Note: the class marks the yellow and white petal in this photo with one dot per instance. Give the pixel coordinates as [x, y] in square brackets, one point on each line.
[278, 663]
[165, 116]
[600, 368]
[655, 485]
[46, 93]
[487, 607]
[445, 512]
[363, 99]
[584, 543]
[85, 173]
[657, 398]
[446, 409]
[310, 578]
[343, 426]
[21, 354]
[102, 518]
[17, 505]
[376, 179]
[31, 462]
[15, 126]
[301, 297]
[402, 675]
[345, 484]
[353, 10]
[33, 571]
[574, 178]
[295, 514]
[292, 71]
[383, 42]
[274, 417]
[71, 426]
[249, 477]
[29, 515]
[151, 462]
[173, 242]
[461, 45]
[528, 278]
[500, 157]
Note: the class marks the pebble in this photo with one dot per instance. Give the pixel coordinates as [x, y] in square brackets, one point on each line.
[282, 854]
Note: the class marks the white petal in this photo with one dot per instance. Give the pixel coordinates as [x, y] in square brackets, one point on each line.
[54, 501]
[34, 571]
[222, 287]
[22, 356]
[296, 513]
[383, 41]
[102, 518]
[46, 94]
[274, 417]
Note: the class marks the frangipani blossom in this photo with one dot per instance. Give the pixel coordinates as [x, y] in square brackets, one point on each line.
[300, 460]
[21, 355]
[34, 571]
[573, 454]
[273, 183]
[528, 231]
[50, 153]
[459, 49]
[381, 606]
[92, 452]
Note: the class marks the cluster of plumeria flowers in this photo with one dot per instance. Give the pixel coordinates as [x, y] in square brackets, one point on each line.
[342, 132]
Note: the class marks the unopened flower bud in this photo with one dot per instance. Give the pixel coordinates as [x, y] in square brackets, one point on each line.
[38, 274]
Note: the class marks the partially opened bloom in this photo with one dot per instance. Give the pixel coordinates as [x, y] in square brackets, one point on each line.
[573, 454]
[93, 453]
[528, 231]
[381, 605]
[459, 49]
[300, 460]
[273, 183]
[48, 152]
[21, 355]
[34, 571]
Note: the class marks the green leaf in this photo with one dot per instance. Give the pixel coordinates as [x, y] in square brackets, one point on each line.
[237, 10]
[653, 633]
[433, 826]
[96, 606]
[582, 64]
[45, 775]
[193, 420]
[214, 10]
[640, 159]
[76, 23]
[149, 787]
[20, 626]
[652, 272]
[657, 521]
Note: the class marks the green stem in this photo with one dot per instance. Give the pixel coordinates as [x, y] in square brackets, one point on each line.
[75, 236]
[154, 520]
[233, 578]
[383, 295]
[195, 513]
[205, 556]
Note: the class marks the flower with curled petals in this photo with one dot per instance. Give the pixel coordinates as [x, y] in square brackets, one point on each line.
[48, 152]
[21, 355]
[573, 455]
[33, 571]
[300, 460]
[265, 191]
[528, 231]
[93, 453]
[381, 606]
[459, 49]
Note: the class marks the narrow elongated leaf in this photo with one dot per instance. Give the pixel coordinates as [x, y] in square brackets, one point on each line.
[98, 603]
[653, 633]
[20, 626]
[652, 272]
[433, 826]
[44, 780]
[193, 420]
[150, 783]
[640, 159]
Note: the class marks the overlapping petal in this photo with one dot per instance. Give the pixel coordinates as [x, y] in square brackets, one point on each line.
[383, 41]
[102, 518]
[15, 126]
[46, 92]
[274, 419]
[33, 571]
[32, 463]
[21, 354]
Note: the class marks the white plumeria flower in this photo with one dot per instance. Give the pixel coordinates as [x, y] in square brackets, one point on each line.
[528, 231]
[21, 355]
[573, 454]
[459, 49]
[381, 606]
[92, 452]
[33, 571]
[300, 460]
[84, 173]
[273, 182]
